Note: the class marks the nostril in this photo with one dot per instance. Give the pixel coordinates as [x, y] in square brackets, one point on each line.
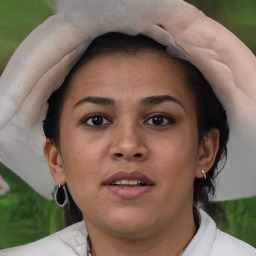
[119, 155]
[137, 155]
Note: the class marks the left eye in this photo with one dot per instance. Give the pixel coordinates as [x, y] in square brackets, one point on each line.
[159, 120]
[96, 120]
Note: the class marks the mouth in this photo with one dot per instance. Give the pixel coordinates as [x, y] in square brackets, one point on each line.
[128, 184]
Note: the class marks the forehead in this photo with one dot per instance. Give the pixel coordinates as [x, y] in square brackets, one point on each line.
[144, 73]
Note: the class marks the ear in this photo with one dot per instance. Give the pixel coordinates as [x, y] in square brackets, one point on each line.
[54, 159]
[207, 152]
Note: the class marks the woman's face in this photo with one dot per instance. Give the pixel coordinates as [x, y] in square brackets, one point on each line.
[129, 143]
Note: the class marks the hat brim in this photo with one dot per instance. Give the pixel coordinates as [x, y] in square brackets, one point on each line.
[43, 60]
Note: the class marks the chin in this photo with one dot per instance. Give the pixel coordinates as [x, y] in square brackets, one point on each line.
[131, 225]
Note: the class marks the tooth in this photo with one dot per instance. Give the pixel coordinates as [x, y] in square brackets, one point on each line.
[128, 182]
[133, 182]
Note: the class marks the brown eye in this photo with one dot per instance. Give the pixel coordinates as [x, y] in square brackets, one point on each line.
[159, 120]
[96, 120]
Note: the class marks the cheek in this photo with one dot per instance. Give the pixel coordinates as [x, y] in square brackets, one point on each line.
[82, 159]
[176, 157]
[78, 157]
[180, 147]
[79, 168]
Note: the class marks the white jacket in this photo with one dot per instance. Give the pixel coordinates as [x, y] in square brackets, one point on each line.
[208, 241]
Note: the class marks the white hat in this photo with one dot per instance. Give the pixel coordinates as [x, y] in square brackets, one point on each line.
[41, 63]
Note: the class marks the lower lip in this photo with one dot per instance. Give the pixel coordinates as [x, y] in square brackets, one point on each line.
[128, 192]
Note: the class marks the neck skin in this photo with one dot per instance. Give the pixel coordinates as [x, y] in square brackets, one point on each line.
[170, 240]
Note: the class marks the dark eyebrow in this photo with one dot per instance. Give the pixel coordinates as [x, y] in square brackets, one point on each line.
[152, 100]
[96, 100]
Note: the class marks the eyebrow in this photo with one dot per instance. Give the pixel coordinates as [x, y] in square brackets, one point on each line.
[153, 100]
[96, 100]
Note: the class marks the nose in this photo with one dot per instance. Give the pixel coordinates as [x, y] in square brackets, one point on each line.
[129, 144]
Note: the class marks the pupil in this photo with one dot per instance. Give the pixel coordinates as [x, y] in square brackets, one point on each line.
[157, 120]
[97, 120]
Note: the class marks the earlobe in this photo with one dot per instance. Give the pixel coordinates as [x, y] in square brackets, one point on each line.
[54, 161]
[208, 149]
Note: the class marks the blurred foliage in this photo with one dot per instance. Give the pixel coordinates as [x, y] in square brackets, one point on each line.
[24, 215]
[236, 217]
[17, 19]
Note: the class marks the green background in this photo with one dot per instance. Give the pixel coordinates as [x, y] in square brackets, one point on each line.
[24, 215]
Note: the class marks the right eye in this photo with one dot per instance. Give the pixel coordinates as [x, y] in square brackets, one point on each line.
[96, 120]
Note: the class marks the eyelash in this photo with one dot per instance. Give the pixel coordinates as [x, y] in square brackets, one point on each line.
[106, 121]
[96, 115]
[167, 118]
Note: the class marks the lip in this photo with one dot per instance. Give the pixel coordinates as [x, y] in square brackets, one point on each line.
[128, 175]
[128, 192]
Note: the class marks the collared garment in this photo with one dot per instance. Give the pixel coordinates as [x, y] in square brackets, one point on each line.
[72, 241]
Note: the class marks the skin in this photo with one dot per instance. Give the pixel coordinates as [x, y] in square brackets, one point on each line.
[160, 222]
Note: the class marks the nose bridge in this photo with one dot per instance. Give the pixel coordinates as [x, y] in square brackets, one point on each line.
[129, 135]
[129, 141]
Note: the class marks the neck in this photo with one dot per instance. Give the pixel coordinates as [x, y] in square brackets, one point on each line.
[171, 241]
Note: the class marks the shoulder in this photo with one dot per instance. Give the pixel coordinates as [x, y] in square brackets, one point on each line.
[212, 242]
[229, 245]
[69, 241]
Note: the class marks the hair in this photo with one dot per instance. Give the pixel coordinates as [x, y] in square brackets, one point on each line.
[210, 113]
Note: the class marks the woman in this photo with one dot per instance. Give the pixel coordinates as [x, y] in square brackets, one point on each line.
[135, 134]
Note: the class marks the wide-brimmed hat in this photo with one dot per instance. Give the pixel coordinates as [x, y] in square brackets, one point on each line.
[41, 63]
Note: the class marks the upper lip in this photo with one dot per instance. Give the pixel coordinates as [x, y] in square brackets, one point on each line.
[128, 175]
